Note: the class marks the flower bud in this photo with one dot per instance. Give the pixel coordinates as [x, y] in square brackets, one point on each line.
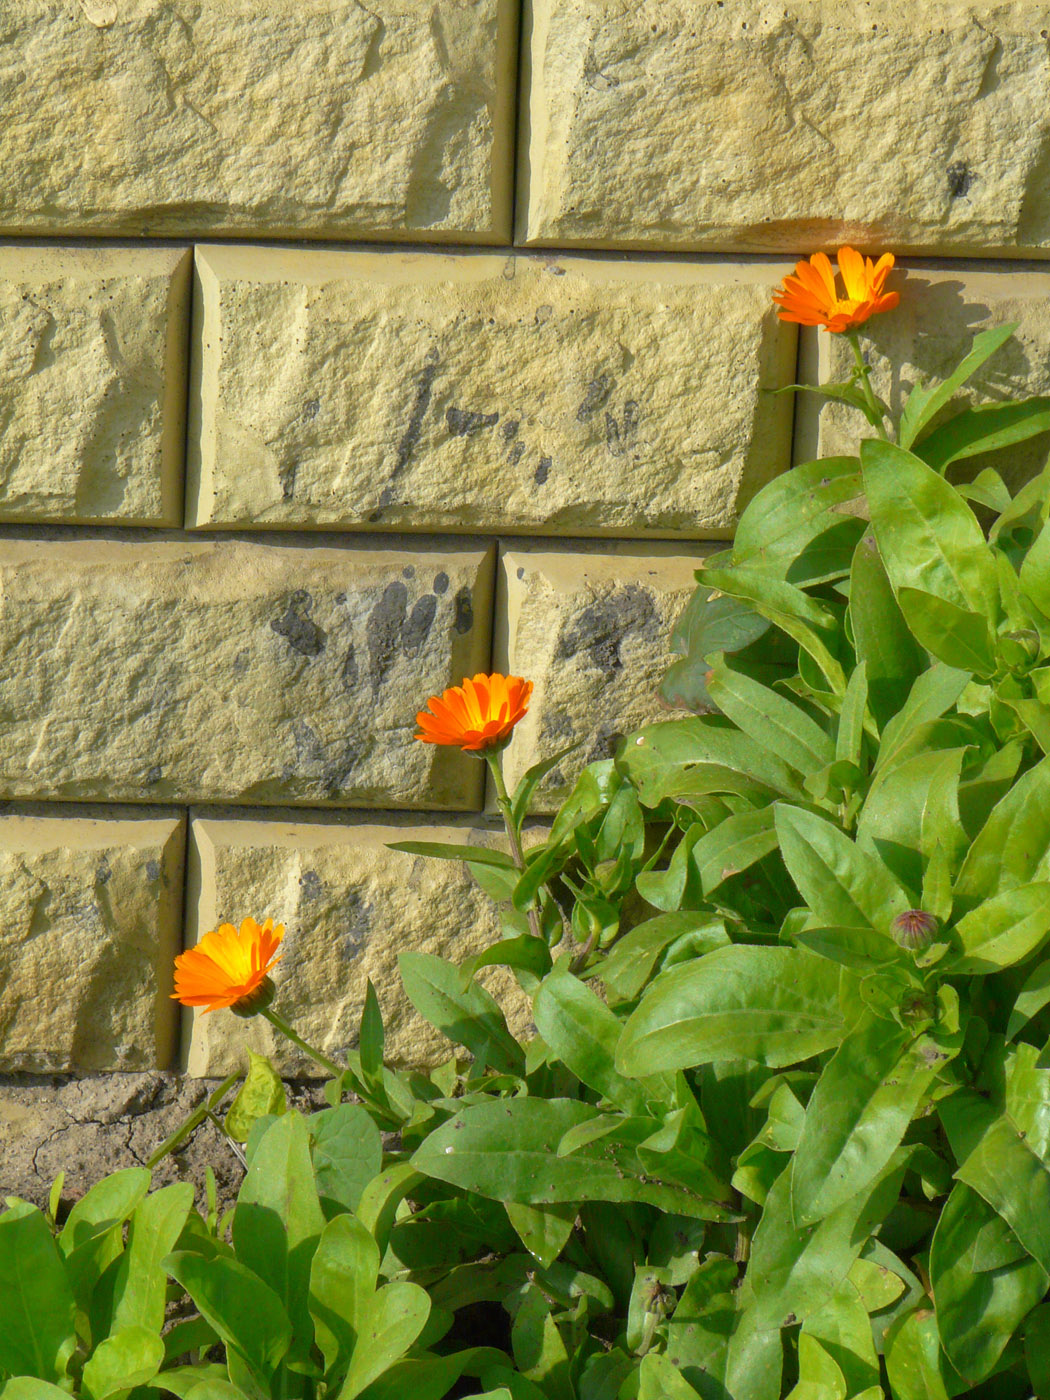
[915, 930]
[258, 999]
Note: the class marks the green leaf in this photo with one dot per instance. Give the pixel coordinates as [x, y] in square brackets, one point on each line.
[859, 948]
[858, 1114]
[630, 964]
[1013, 846]
[682, 757]
[347, 1152]
[913, 1358]
[1037, 1349]
[892, 658]
[1034, 576]
[243, 1311]
[928, 537]
[539, 1351]
[543, 1230]
[129, 1358]
[794, 1271]
[840, 881]
[843, 1329]
[36, 1336]
[774, 1005]
[956, 636]
[934, 692]
[926, 401]
[395, 1317]
[1033, 996]
[526, 954]
[371, 1040]
[790, 527]
[733, 846]
[531, 779]
[583, 1033]
[770, 720]
[1002, 1169]
[343, 1277]
[714, 1342]
[156, 1224]
[261, 1094]
[978, 1312]
[30, 1388]
[278, 1220]
[471, 1017]
[444, 850]
[1005, 929]
[502, 1149]
[985, 428]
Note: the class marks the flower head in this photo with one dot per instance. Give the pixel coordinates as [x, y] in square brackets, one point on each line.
[477, 715]
[228, 968]
[811, 297]
[915, 930]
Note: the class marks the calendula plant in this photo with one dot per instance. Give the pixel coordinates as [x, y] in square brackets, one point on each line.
[783, 1131]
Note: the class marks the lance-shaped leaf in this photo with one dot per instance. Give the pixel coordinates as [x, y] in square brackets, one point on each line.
[247, 1314]
[770, 720]
[791, 528]
[926, 400]
[129, 1358]
[892, 658]
[714, 1340]
[956, 636]
[928, 537]
[687, 756]
[1013, 846]
[841, 882]
[1004, 929]
[630, 964]
[914, 1359]
[984, 428]
[978, 1311]
[774, 1005]
[157, 1222]
[468, 1017]
[503, 1149]
[858, 1113]
[36, 1334]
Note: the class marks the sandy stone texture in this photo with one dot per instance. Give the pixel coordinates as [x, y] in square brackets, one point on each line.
[589, 626]
[90, 919]
[93, 351]
[349, 906]
[427, 391]
[167, 670]
[330, 118]
[748, 125]
[923, 340]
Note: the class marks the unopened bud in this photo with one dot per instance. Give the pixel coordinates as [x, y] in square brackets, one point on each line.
[258, 999]
[915, 930]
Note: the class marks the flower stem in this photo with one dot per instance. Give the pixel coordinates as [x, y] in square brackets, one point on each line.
[494, 758]
[280, 1024]
[863, 374]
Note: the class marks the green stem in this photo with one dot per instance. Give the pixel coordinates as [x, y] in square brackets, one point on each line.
[494, 758]
[863, 373]
[280, 1024]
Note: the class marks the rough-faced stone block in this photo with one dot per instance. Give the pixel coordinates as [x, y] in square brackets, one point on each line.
[425, 391]
[90, 920]
[924, 339]
[236, 671]
[329, 118]
[349, 906]
[786, 127]
[93, 347]
[589, 626]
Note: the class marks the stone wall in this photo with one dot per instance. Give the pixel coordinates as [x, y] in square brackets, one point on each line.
[347, 349]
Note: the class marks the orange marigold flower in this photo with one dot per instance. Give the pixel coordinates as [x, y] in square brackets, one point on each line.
[477, 715]
[811, 297]
[228, 967]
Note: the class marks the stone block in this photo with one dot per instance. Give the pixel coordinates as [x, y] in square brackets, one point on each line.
[251, 672]
[425, 391]
[93, 349]
[763, 127]
[589, 626]
[323, 118]
[924, 339]
[349, 906]
[90, 919]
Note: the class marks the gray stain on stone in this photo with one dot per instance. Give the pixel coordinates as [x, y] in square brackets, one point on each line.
[959, 179]
[441, 582]
[465, 423]
[417, 628]
[383, 632]
[464, 611]
[543, 471]
[598, 630]
[350, 673]
[299, 631]
[153, 870]
[598, 390]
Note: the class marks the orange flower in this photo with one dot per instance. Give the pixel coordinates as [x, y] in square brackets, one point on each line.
[228, 967]
[811, 297]
[477, 715]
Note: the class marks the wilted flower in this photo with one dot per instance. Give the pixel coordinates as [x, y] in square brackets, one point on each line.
[915, 930]
[811, 297]
[477, 715]
[228, 968]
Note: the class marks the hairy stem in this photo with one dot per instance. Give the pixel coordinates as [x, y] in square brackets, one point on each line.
[863, 373]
